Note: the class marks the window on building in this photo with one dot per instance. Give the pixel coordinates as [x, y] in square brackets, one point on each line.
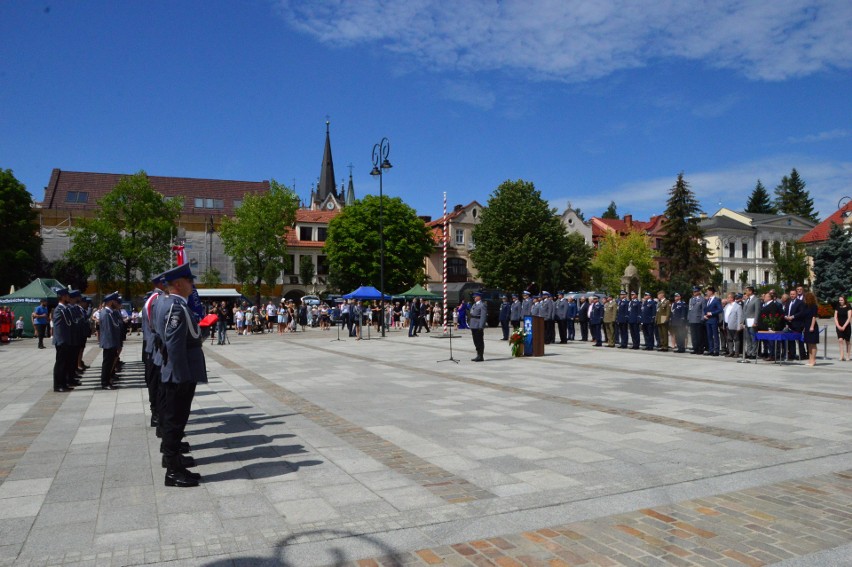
[290, 268]
[199, 203]
[456, 270]
[732, 247]
[658, 244]
[237, 203]
[205, 203]
[322, 265]
[322, 233]
[306, 233]
[459, 236]
[765, 276]
[77, 197]
[733, 275]
[745, 249]
[764, 249]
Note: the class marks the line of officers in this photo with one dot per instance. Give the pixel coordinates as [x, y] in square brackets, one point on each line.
[642, 323]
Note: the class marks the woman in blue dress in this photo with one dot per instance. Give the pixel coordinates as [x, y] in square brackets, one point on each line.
[463, 308]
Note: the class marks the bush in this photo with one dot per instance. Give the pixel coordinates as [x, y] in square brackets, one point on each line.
[825, 311]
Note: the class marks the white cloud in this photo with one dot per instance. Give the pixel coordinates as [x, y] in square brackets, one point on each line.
[469, 93]
[827, 182]
[820, 137]
[577, 40]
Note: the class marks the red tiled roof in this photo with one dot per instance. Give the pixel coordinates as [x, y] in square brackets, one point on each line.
[97, 185]
[819, 233]
[437, 225]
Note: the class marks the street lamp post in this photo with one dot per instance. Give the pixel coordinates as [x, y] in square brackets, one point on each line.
[380, 163]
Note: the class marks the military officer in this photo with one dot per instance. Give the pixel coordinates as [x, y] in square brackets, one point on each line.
[183, 368]
[547, 311]
[678, 322]
[596, 315]
[622, 317]
[561, 316]
[65, 353]
[649, 317]
[515, 313]
[478, 314]
[505, 314]
[634, 319]
[610, 314]
[664, 313]
[109, 339]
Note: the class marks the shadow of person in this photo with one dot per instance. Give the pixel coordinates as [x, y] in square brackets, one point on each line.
[241, 441]
[266, 452]
[256, 471]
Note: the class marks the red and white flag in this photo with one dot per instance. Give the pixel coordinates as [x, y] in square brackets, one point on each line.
[180, 255]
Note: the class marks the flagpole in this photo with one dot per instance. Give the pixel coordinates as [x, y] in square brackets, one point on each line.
[446, 224]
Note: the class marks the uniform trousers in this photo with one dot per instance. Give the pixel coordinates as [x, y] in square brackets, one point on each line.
[108, 365]
[549, 331]
[610, 333]
[648, 331]
[65, 357]
[635, 331]
[174, 414]
[153, 373]
[595, 329]
[696, 335]
[516, 323]
[505, 326]
[478, 341]
[622, 334]
[663, 336]
[679, 332]
[562, 325]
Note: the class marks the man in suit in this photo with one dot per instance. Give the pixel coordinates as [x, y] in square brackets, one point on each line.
[560, 315]
[571, 318]
[547, 311]
[649, 318]
[733, 324]
[183, 368]
[478, 315]
[634, 320]
[413, 317]
[515, 312]
[712, 309]
[751, 313]
[505, 314]
[695, 318]
[596, 315]
[794, 315]
[664, 313]
[622, 317]
[610, 314]
[679, 323]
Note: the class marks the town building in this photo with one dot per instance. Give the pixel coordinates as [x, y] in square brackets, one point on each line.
[573, 223]
[819, 234]
[740, 244]
[653, 229]
[461, 274]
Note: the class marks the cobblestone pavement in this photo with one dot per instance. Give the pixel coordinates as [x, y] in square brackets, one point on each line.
[383, 452]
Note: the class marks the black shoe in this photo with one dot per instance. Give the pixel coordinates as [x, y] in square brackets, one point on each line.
[42, 346]
[477, 359]
[714, 354]
[184, 447]
[180, 478]
[185, 462]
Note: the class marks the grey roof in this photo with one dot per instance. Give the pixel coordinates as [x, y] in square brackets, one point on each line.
[724, 223]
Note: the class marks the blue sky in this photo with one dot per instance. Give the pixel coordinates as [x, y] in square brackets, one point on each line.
[591, 101]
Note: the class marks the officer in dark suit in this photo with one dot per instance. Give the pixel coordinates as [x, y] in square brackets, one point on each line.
[622, 318]
[478, 314]
[183, 368]
[649, 317]
[505, 313]
[678, 322]
[634, 319]
[62, 328]
[596, 315]
[109, 339]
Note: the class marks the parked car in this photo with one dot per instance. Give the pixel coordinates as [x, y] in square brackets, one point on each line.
[310, 300]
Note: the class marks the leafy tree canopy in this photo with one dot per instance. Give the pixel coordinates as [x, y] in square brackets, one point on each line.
[683, 244]
[759, 201]
[615, 252]
[353, 245]
[832, 261]
[306, 269]
[610, 212]
[519, 239]
[254, 236]
[129, 237]
[791, 197]
[20, 247]
[790, 263]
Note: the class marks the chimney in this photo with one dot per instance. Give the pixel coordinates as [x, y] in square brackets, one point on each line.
[628, 220]
[457, 208]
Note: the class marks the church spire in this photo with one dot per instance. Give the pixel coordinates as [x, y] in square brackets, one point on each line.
[327, 184]
[350, 193]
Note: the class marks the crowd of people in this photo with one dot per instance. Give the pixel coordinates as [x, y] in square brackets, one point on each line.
[712, 325]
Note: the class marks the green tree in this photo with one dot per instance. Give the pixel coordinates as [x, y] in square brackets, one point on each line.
[683, 244]
[610, 212]
[759, 201]
[574, 273]
[615, 252]
[20, 246]
[129, 237]
[518, 238]
[306, 270]
[832, 276]
[353, 245]
[69, 273]
[255, 236]
[211, 278]
[790, 263]
[791, 197]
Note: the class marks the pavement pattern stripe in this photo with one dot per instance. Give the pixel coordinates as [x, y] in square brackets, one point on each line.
[18, 438]
[583, 404]
[440, 482]
[752, 527]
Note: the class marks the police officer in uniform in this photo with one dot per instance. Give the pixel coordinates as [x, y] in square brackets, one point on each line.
[546, 311]
[634, 319]
[109, 339]
[596, 315]
[505, 314]
[679, 314]
[183, 367]
[478, 314]
[526, 304]
[515, 312]
[65, 353]
[695, 317]
[561, 316]
[571, 317]
[151, 356]
[78, 336]
[622, 317]
[649, 317]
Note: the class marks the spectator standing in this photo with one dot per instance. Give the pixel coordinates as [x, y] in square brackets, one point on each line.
[811, 332]
[842, 326]
[40, 322]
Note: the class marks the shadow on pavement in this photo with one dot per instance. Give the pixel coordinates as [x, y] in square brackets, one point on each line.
[255, 471]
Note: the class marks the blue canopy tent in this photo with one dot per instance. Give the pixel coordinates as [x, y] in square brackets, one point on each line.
[366, 292]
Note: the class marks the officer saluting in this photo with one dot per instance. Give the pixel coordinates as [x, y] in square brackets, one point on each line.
[183, 367]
